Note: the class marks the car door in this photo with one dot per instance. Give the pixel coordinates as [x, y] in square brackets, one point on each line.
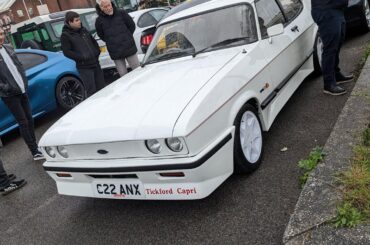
[282, 53]
[299, 26]
[34, 64]
[5, 117]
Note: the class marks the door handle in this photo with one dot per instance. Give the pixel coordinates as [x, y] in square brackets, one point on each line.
[295, 29]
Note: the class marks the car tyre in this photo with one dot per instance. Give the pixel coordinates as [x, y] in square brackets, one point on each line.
[248, 142]
[317, 55]
[70, 92]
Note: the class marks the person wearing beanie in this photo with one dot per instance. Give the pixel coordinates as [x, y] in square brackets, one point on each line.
[79, 45]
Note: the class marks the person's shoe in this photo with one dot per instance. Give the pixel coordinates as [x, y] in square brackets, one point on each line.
[38, 156]
[15, 185]
[12, 177]
[343, 79]
[335, 90]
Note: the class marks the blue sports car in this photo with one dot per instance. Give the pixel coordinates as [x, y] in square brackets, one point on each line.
[53, 82]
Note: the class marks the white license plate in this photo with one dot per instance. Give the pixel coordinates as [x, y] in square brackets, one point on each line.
[119, 190]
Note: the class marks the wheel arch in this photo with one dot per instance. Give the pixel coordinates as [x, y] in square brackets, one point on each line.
[251, 99]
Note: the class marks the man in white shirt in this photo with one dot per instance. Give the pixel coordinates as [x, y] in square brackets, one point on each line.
[13, 92]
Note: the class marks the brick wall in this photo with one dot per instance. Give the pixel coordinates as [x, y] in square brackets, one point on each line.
[17, 10]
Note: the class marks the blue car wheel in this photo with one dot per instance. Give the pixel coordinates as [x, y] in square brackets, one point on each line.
[70, 92]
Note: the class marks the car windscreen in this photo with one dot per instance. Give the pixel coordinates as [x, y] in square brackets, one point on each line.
[90, 19]
[195, 33]
[57, 28]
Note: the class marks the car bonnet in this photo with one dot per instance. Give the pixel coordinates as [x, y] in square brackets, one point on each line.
[144, 104]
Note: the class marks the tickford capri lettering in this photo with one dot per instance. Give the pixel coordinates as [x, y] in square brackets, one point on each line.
[121, 190]
[170, 191]
[159, 191]
[187, 192]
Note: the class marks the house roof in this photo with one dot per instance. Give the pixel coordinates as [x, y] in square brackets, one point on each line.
[6, 4]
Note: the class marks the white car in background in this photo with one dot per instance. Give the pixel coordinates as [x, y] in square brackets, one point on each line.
[194, 113]
[144, 19]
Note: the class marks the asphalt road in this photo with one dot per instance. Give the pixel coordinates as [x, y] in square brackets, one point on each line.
[250, 209]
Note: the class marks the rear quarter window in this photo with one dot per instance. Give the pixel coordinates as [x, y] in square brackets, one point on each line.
[30, 60]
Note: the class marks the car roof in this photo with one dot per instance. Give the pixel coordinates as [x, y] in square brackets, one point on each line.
[192, 7]
[136, 14]
[49, 17]
[37, 51]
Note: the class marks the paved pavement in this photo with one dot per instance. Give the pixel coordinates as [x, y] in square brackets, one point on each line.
[317, 204]
[252, 209]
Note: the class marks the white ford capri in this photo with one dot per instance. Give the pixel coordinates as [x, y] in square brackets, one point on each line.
[215, 77]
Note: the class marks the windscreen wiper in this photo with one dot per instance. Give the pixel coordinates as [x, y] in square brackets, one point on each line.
[167, 56]
[224, 42]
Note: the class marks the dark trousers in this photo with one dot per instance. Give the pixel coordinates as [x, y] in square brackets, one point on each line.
[20, 107]
[4, 180]
[92, 78]
[332, 29]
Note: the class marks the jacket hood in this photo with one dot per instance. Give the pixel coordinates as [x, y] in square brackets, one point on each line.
[101, 13]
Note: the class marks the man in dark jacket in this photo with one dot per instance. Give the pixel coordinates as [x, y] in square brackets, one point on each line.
[329, 16]
[13, 92]
[115, 27]
[80, 46]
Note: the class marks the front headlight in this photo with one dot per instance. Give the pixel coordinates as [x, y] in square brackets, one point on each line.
[50, 151]
[153, 146]
[62, 151]
[174, 144]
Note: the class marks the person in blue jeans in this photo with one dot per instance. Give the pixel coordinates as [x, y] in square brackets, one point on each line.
[8, 183]
[329, 16]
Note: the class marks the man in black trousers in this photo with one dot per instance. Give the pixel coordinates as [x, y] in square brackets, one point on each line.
[13, 92]
[80, 46]
[329, 16]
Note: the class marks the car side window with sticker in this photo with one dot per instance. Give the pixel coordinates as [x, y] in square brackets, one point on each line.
[269, 14]
[291, 8]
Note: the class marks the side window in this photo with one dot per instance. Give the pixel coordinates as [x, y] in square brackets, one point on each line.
[45, 34]
[30, 60]
[269, 14]
[32, 35]
[90, 20]
[146, 20]
[57, 28]
[291, 8]
[158, 14]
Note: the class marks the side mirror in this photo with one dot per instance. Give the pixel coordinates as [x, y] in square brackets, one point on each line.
[275, 30]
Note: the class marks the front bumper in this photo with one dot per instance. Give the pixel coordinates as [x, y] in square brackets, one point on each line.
[203, 173]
